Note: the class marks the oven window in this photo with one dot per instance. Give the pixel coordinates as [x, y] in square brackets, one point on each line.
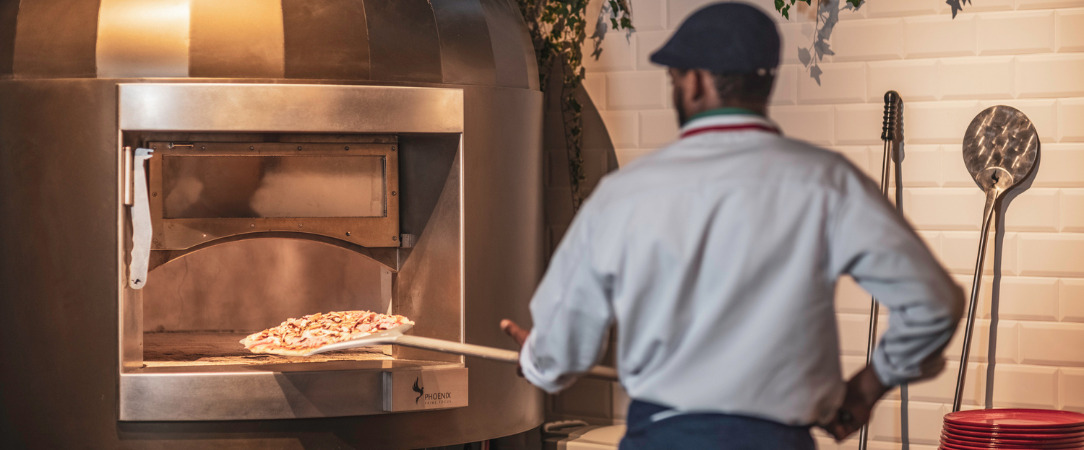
[214, 187]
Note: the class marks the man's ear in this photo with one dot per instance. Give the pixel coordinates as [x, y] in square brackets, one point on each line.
[705, 87]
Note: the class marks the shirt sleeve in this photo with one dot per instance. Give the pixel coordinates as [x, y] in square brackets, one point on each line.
[872, 243]
[571, 312]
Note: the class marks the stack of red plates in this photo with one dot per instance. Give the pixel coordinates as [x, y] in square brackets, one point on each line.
[1013, 429]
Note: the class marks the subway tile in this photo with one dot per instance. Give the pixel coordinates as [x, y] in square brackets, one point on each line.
[1006, 346]
[1071, 389]
[960, 251]
[1060, 165]
[851, 298]
[840, 83]
[1067, 30]
[1019, 298]
[942, 388]
[1023, 298]
[866, 40]
[921, 165]
[988, 5]
[1025, 387]
[623, 127]
[853, 333]
[649, 15]
[1051, 254]
[595, 86]
[815, 124]
[976, 77]
[658, 128]
[1072, 209]
[953, 171]
[856, 154]
[617, 54]
[938, 122]
[914, 80]
[1046, 4]
[628, 155]
[1071, 300]
[636, 90]
[1033, 210]
[785, 91]
[647, 43]
[902, 8]
[1071, 119]
[1015, 32]
[793, 35]
[944, 209]
[1050, 75]
[859, 124]
[932, 239]
[939, 35]
[1052, 343]
[924, 420]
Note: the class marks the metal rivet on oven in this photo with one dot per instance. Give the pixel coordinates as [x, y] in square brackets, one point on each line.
[251, 147]
[393, 148]
[393, 193]
[300, 225]
[299, 147]
[252, 225]
[346, 147]
[348, 233]
[154, 194]
[203, 147]
[395, 238]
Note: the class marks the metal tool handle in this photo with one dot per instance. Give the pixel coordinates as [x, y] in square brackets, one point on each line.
[141, 221]
[888, 135]
[987, 217]
[480, 351]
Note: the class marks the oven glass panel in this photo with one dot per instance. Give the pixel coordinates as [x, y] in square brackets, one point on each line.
[214, 187]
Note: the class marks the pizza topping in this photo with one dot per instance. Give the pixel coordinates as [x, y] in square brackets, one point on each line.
[297, 336]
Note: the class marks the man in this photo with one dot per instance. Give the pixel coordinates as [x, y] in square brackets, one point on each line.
[717, 257]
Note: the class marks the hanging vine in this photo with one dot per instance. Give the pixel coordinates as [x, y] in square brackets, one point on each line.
[558, 31]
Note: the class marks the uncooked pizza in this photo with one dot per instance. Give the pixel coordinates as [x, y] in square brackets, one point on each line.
[296, 337]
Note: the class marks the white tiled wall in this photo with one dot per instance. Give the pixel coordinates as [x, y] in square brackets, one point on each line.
[1022, 53]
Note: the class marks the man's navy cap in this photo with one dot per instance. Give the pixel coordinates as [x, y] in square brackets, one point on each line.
[723, 38]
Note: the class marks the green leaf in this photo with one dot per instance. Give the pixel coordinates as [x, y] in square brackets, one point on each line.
[779, 5]
[855, 3]
[786, 12]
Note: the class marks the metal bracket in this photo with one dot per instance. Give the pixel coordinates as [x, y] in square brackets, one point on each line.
[141, 221]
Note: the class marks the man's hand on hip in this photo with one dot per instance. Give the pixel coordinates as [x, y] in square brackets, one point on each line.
[863, 391]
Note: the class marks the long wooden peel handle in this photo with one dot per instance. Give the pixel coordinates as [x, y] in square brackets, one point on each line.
[481, 351]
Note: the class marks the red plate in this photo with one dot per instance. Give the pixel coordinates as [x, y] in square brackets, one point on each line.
[1016, 418]
[1012, 438]
[1065, 431]
[980, 440]
[999, 443]
[948, 446]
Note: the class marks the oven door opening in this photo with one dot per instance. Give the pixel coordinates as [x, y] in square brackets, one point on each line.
[248, 231]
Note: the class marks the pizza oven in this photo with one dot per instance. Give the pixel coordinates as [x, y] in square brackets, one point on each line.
[177, 174]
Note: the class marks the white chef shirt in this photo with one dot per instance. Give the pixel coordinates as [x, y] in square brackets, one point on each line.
[718, 258]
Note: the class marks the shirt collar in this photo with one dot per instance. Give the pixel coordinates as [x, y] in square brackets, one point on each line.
[725, 120]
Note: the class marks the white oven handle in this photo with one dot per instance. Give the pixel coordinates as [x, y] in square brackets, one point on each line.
[141, 221]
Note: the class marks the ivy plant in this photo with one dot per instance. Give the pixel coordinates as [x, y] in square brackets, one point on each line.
[558, 30]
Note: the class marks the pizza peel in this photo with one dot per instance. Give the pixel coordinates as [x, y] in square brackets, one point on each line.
[395, 336]
[1000, 148]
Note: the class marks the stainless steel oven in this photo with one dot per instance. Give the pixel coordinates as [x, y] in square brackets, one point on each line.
[194, 185]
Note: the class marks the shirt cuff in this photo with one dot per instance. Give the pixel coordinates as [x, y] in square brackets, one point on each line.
[538, 377]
